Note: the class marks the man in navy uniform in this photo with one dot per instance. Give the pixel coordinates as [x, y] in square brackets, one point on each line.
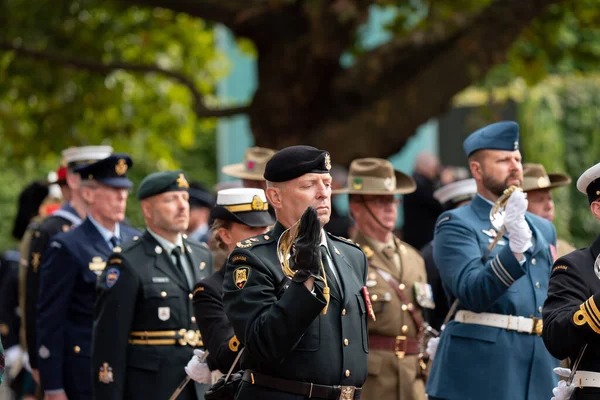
[571, 311]
[493, 349]
[72, 264]
[298, 343]
[145, 330]
[70, 215]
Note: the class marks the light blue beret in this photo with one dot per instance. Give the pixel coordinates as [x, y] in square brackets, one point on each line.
[499, 136]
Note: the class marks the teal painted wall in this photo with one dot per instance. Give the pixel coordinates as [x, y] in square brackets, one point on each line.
[234, 135]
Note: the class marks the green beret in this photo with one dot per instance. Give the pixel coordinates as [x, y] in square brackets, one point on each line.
[161, 182]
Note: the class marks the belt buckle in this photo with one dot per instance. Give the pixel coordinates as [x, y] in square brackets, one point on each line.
[538, 326]
[347, 393]
[188, 337]
[400, 346]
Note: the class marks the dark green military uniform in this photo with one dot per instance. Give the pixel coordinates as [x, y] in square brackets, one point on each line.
[141, 290]
[145, 330]
[284, 332]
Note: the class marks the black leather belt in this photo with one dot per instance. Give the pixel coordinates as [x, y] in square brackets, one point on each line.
[302, 388]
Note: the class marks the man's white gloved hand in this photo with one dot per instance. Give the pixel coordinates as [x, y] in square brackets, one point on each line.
[519, 234]
[432, 346]
[562, 391]
[13, 356]
[197, 368]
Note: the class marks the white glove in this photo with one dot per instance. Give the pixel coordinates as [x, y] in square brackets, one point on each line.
[562, 391]
[432, 346]
[197, 369]
[519, 234]
[26, 363]
[13, 356]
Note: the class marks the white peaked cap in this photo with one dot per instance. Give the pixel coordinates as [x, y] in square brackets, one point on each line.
[228, 197]
[458, 190]
[86, 153]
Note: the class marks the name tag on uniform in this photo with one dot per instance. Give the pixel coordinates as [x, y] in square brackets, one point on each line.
[160, 279]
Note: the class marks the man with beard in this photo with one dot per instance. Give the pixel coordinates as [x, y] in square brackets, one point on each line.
[492, 349]
[144, 329]
[304, 327]
[72, 263]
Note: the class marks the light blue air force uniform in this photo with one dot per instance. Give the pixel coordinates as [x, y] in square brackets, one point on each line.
[481, 362]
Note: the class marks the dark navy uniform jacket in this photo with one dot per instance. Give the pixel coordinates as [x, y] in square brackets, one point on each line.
[571, 312]
[284, 333]
[61, 221]
[66, 301]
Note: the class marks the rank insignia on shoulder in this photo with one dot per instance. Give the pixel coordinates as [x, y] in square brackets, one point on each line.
[424, 295]
[97, 265]
[234, 344]
[442, 220]
[244, 245]
[105, 375]
[112, 276]
[240, 276]
[559, 268]
[238, 258]
[368, 251]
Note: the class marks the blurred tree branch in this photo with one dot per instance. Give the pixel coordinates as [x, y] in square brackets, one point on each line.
[104, 68]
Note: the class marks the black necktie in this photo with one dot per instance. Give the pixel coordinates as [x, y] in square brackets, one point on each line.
[114, 241]
[177, 254]
[331, 280]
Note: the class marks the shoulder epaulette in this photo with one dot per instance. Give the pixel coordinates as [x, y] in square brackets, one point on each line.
[344, 240]
[254, 241]
[368, 251]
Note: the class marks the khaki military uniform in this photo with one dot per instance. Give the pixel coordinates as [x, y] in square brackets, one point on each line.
[391, 376]
[563, 247]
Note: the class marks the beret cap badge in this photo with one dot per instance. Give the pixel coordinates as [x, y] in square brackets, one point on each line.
[121, 167]
[257, 203]
[182, 182]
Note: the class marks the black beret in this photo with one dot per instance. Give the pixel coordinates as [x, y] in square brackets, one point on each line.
[162, 182]
[110, 171]
[294, 161]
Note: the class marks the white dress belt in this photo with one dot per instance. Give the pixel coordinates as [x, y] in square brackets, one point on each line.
[509, 322]
[586, 379]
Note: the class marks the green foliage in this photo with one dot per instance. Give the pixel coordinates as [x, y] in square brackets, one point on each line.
[46, 107]
[560, 124]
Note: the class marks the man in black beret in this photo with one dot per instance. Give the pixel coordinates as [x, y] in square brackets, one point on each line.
[72, 263]
[145, 330]
[305, 330]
